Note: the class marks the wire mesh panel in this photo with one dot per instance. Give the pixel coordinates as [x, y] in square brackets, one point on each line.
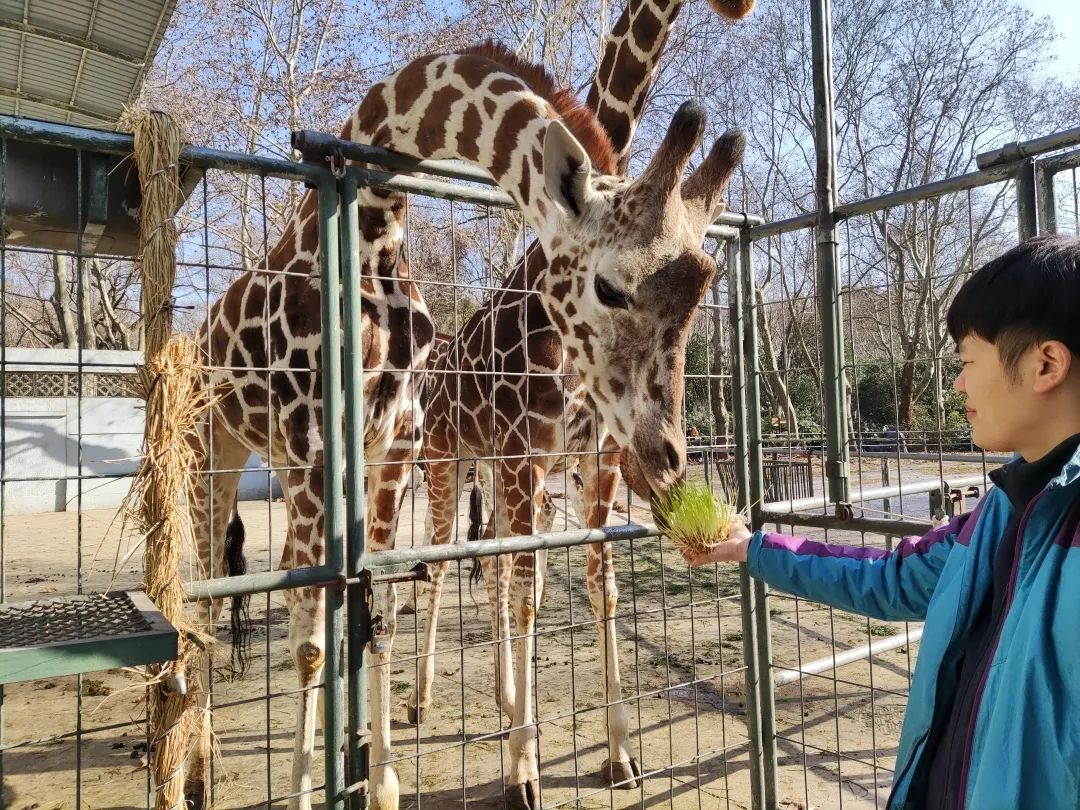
[72, 437]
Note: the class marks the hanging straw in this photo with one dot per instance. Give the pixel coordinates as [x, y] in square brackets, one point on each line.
[170, 382]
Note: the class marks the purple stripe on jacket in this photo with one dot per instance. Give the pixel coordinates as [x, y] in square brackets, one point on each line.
[962, 524]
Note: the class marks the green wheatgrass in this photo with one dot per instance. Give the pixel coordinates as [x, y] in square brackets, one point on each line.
[695, 519]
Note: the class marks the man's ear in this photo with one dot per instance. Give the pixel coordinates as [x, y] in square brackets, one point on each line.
[1053, 362]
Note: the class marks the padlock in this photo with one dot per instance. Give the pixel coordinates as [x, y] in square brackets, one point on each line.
[380, 636]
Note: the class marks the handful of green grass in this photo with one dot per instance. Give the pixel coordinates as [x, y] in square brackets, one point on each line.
[695, 519]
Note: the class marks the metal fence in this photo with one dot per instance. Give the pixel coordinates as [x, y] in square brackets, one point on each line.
[727, 693]
[683, 694]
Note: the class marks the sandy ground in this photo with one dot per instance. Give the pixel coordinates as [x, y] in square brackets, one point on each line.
[681, 656]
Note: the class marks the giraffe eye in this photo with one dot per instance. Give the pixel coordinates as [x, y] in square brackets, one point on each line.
[610, 296]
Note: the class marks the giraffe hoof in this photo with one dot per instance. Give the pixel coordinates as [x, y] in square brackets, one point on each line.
[621, 775]
[524, 797]
[417, 715]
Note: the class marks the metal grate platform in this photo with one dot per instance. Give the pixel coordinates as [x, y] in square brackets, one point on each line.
[52, 637]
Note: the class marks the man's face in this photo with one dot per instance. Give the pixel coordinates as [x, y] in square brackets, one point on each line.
[998, 408]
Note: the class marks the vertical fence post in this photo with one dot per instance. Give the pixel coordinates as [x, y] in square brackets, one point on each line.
[1046, 203]
[832, 335]
[333, 684]
[762, 629]
[742, 372]
[1027, 202]
[356, 598]
[886, 503]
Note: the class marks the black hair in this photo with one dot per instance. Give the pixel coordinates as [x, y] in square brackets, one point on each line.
[1026, 296]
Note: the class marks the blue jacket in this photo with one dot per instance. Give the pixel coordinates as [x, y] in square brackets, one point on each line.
[1024, 750]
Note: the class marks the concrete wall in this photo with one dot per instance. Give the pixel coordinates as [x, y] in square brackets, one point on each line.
[42, 447]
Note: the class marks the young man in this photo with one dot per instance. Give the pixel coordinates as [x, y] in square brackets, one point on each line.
[993, 718]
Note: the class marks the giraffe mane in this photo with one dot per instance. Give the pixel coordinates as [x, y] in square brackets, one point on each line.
[580, 119]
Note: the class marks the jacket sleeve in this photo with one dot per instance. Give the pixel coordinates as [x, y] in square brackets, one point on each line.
[890, 585]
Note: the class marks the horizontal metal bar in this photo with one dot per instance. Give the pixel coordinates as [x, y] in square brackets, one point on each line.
[1060, 163]
[315, 576]
[738, 219]
[722, 232]
[311, 142]
[974, 458]
[1010, 153]
[801, 222]
[439, 189]
[118, 143]
[837, 660]
[877, 493]
[398, 559]
[377, 560]
[949, 185]
[854, 524]
[994, 167]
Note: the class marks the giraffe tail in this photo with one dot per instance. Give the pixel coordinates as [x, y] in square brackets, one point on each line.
[240, 622]
[476, 523]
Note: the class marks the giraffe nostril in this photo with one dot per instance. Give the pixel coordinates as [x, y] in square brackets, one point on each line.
[673, 457]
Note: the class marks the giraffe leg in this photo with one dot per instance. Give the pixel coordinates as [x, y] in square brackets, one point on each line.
[210, 505]
[600, 480]
[445, 482]
[387, 483]
[496, 571]
[524, 495]
[307, 606]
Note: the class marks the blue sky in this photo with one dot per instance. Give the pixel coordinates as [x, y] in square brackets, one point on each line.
[1066, 17]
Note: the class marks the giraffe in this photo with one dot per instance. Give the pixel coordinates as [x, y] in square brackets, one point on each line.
[586, 311]
[262, 343]
[625, 73]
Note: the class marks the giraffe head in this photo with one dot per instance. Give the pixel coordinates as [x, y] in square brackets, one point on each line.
[627, 271]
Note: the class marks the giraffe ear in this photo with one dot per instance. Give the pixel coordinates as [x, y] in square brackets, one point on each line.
[567, 170]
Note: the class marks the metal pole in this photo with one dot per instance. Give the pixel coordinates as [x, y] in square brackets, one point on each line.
[886, 503]
[744, 369]
[838, 660]
[333, 682]
[1046, 202]
[762, 631]
[832, 336]
[356, 599]
[1015, 151]
[1027, 204]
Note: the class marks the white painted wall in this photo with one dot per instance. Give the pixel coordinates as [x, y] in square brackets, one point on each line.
[45, 438]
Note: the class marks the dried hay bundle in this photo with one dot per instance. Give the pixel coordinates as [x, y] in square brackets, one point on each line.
[695, 518]
[170, 382]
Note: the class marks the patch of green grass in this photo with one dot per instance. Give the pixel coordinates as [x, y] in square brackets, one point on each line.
[398, 687]
[883, 630]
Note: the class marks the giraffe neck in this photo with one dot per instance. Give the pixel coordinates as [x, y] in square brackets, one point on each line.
[627, 66]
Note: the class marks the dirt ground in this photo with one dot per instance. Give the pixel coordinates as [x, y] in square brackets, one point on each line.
[681, 658]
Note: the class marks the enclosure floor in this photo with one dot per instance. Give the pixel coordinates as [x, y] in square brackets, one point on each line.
[701, 730]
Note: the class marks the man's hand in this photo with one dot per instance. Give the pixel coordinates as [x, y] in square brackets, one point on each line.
[733, 549]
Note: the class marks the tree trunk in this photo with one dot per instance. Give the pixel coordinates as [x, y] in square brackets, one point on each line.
[718, 368]
[775, 379]
[86, 306]
[64, 320]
